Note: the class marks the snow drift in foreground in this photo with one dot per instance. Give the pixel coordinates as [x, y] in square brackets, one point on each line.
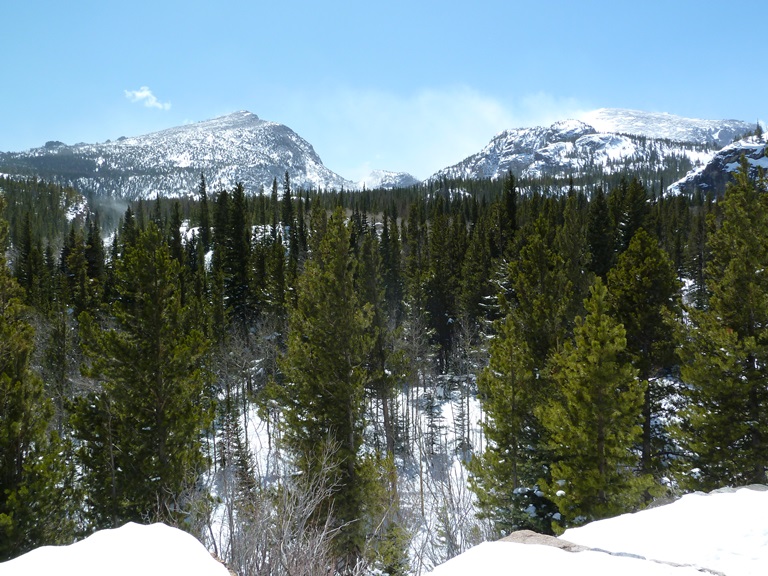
[724, 532]
[131, 550]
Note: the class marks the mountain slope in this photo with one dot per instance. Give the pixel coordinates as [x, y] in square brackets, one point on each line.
[573, 148]
[715, 174]
[239, 147]
[387, 180]
[666, 126]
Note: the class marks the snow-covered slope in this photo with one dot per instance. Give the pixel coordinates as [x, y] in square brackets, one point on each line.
[387, 180]
[715, 174]
[666, 126]
[131, 550]
[604, 141]
[239, 147]
[723, 533]
[571, 148]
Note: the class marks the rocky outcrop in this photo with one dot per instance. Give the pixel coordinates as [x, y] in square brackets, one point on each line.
[715, 175]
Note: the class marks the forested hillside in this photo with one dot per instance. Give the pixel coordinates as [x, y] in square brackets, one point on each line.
[314, 379]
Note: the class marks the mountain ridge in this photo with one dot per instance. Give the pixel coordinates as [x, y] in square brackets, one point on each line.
[241, 147]
[666, 126]
[238, 147]
[617, 140]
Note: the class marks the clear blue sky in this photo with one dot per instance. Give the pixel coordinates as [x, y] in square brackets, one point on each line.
[400, 85]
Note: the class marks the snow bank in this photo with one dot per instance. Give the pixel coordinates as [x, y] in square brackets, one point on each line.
[508, 558]
[131, 550]
[725, 532]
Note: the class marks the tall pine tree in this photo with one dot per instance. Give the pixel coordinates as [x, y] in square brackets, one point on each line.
[140, 433]
[593, 421]
[33, 477]
[725, 425]
[325, 375]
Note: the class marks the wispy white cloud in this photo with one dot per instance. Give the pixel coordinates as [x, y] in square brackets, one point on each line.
[418, 133]
[144, 94]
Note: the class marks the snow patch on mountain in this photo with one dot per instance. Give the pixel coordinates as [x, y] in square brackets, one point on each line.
[387, 180]
[239, 147]
[662, 125]
[570, 148]
[714, 175]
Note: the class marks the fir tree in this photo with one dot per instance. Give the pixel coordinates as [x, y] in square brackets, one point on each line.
[140, 433]
[725, 425]
[593, 421]
[32, 487]
[504, 476]
[325, 375]
[205, 217]
[644, 294]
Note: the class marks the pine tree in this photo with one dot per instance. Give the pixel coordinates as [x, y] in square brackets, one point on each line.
[325, 375]
[476, 286]
[504, 476]
[205, 216]
[140, 433]
[572, 249]
[696, 252]
[644, 293]
[31, 475]
[593, 421]
[236, 260]
[540, 292]
[600, 234]
[725, 425]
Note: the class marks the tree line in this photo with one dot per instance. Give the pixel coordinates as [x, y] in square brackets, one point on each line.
[614, 338]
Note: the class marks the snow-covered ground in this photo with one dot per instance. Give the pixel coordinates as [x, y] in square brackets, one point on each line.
[724, 532]
[131, 550]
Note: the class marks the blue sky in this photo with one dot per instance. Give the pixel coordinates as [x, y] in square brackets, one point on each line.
[399, 85]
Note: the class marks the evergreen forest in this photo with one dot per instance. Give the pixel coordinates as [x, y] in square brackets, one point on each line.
[318, 382]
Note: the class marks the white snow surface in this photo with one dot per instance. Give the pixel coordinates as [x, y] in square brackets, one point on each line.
[664, 125]
[617, 140]
[724, 532]
[131, 550]
[386, 179]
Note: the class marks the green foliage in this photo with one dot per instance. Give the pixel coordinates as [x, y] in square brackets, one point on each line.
[644, 294]
[400, 293]
[140, 433]
[511, 463]
[325, 375]
[541, 294]
[600, 235]
[593, 420]
[30, 472]
[725, 424]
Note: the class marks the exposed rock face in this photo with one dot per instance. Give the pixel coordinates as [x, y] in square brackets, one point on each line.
[715, 175]
[530, 537]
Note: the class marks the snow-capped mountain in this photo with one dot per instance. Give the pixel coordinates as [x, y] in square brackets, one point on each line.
[239, 147]
[387, 180]
[572, 148]
[715, 174]
[666, 126]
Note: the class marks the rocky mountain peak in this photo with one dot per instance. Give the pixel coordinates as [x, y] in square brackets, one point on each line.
[238, 147]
